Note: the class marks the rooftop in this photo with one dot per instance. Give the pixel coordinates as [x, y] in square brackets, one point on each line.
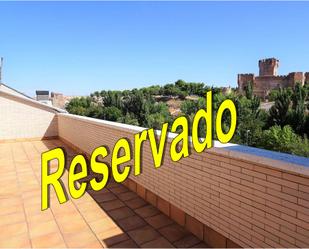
[113, 217]
[227, 196]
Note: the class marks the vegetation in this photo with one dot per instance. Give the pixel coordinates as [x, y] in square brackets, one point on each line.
[284, 128]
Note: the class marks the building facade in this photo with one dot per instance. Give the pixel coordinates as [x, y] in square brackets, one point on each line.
[268, 78]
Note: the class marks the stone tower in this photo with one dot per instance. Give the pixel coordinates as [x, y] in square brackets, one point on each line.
[268, 67]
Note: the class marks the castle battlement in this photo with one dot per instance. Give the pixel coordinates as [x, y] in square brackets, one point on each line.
[273, 77]
[268, 78]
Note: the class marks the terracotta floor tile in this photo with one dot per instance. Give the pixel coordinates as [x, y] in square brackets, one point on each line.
[11, 201]
[125, 244]
[13, 230]
[105, 197]
[110, 205]
[119, 189]
[48, 240]
[38, 228]
[187, 241]
[112, 184]
[33, 209]
[80, 239]
[12, 218]
[86, 198]
[89, 205]
[94, 193]
[159, 220]
[136, 203]
[132, 222]
[102, 225]
[121, 213]
[93, 244]
[11, 210]
[127, 196]
[19, 241]
[201, 245]
[72, 224]
[173, 232]
[160, 242]
[112, 217]
[147, 211]
[93, 214]
[112, 236]
[60, 210]
[40, 217]
[143, 234]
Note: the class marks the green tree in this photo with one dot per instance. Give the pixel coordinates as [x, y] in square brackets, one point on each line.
[249, 90]
[111, 113]
[279, 111]
[284, 140]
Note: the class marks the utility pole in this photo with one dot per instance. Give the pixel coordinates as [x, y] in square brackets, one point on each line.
[1, 66]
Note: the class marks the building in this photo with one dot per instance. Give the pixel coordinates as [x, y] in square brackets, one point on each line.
[227, 196]
[268, 78]
[43, 97]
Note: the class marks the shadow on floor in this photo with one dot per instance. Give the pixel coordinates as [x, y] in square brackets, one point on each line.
[139, 223]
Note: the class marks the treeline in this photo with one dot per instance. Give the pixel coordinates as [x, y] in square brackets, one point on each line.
[137, 106]
[284, 128]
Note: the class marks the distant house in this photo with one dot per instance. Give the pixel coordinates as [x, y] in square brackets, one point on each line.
[24, 117]
[43, 97]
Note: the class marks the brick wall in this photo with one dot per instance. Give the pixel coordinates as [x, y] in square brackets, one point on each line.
[21, 119]
[223, 196]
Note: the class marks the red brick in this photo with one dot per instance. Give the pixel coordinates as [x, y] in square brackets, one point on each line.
[132, 185]
[268, 171]
[282, 182]
[213, 238]
[141, 191]
[231, 244]
[304, 188]
[177, 215]
[163, 206]
[297, 179]
[194, 226]
[151, 198]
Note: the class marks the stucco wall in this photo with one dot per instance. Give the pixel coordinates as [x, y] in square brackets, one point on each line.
[21, 119]
[252, 200]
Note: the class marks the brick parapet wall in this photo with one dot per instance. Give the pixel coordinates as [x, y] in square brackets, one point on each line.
[238, 198]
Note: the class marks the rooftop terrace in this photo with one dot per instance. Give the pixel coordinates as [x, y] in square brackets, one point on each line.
[227, 196]
[114, 217]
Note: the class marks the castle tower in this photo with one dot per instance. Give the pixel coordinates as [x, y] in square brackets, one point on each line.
[268, 67]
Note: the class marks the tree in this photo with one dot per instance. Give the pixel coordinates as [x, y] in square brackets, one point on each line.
[111, 113]
[284, 140]
[129, 118]
[298, 113]
[279, 111]
[249, 90]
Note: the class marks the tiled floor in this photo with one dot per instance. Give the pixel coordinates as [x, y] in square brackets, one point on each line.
[114, 217]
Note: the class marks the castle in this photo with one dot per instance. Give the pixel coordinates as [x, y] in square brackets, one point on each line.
[269, 79]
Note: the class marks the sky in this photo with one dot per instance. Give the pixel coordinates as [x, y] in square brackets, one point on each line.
[79, 47]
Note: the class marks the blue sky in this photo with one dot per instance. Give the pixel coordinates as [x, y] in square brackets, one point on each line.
[79, 47]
